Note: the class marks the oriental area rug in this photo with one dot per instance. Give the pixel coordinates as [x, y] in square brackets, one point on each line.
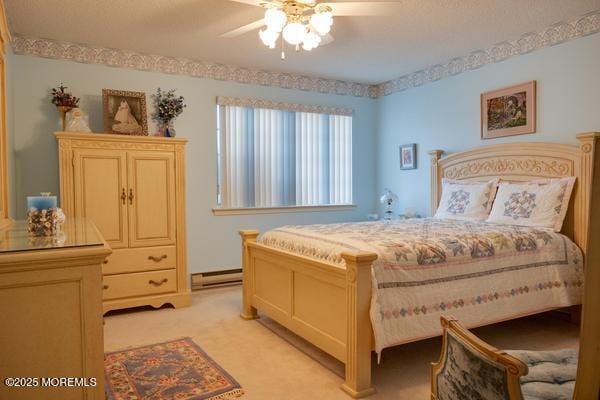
[175, 370]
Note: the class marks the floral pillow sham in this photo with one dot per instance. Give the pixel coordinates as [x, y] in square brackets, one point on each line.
[541, 203]
[465, 200]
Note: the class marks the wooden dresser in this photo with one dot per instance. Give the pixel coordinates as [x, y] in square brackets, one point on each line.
[51, 308]
[133, 189]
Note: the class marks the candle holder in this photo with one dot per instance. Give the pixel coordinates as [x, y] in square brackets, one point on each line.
[46, 222]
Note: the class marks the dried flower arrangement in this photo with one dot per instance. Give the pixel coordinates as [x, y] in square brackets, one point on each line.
[168, 107]
[62, 98]
[64, 101]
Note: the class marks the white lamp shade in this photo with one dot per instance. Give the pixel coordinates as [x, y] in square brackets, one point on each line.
[275, 19]
[268, 37]
[294, 33]
[311, 41]
[322, 22]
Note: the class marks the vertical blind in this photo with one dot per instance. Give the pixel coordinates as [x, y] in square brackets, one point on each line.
[277, 158]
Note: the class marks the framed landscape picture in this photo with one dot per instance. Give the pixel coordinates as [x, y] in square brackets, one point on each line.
[408, 156]
[124, 112]
[509, 111]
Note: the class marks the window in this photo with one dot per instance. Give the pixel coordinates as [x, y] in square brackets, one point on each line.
[278, 155]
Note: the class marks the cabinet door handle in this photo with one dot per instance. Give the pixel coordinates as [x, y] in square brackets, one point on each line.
[130, 196]
[123, 196]
[157, 259]
[104, 287]
[155, 283]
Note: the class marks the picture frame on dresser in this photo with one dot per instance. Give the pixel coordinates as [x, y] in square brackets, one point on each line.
[124, 112]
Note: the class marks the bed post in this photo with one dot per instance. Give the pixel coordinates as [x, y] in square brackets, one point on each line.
[587, 384]
[435, 180]
[248, 312]
[359, 330]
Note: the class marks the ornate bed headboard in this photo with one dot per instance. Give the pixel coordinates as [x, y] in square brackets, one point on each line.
[526, 161]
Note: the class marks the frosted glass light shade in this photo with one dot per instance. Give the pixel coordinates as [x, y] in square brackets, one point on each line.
[275, 19]
[322, 22]
[294, 33]
[268, 37]
[311, 41]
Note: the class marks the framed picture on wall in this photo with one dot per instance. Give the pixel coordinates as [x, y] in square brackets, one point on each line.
[124, 112]
[408, 156]
[509, 111]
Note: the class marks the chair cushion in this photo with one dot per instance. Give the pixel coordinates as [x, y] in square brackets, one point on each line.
[551, 374]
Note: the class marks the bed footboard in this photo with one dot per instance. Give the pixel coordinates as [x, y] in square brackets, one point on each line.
[326, 304]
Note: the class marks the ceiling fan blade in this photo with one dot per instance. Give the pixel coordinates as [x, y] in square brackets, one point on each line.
[257, 3]
[365, 8]
[325, 40]
[244, 29]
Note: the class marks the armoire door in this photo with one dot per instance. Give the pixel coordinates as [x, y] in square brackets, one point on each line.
[151, 198]
[100, 179]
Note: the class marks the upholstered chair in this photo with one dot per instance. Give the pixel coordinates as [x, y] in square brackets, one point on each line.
[470, 369]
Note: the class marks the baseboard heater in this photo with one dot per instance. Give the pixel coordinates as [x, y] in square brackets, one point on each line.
[212, 279]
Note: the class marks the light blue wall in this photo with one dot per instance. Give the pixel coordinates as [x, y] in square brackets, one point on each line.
[212, 241]
[445, 114]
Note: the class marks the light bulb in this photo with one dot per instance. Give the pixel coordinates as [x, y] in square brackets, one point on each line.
[311, 41]
[275, 19]
[294, 33]
[268, 37]
[322, 22]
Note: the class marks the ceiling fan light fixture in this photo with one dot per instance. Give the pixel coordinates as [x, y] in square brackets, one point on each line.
[275, 19]
[322, 22]
[311, 41]
[269, 37]
[294, 33]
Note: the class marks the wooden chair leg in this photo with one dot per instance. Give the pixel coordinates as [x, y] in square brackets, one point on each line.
[358, 341]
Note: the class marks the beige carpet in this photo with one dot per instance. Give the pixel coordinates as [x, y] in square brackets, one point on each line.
[278, 366]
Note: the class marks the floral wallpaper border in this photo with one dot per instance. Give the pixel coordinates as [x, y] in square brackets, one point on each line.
[553, 35]
[558, 33]
[257, 103]
[181, 66]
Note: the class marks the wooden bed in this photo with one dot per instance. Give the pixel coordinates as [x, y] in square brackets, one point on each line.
[328, 305]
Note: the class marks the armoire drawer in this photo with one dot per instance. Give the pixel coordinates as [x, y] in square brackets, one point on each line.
[139, 260]
[139, 284]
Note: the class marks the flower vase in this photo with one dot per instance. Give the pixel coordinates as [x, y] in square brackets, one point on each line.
[63, 110]
[169, 130]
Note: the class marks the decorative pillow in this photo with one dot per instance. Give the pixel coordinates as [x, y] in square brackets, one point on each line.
[541, 203]
[465, 200]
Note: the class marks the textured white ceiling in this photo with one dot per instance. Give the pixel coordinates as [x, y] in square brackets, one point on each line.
[366, 49]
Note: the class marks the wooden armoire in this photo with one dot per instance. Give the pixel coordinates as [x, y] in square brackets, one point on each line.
[133, 189]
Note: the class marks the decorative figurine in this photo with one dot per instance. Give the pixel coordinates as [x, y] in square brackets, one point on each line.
[77, 121]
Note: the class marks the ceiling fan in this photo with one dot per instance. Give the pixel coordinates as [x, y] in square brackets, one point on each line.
[306, 23]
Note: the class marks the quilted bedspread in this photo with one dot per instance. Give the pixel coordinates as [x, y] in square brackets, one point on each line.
[479, 273]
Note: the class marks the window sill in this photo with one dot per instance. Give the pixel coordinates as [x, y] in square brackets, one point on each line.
[280, 210]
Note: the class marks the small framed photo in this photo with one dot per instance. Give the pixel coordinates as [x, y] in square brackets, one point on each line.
[509, 111]
[124, 112]
[408, 156]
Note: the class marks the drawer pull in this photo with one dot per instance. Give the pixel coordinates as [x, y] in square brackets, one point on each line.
[104, 287]
[105, 262]
[157, 259]
[153, 282]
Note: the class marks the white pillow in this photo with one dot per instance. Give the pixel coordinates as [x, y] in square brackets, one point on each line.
[541, 203]
[470, 201]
